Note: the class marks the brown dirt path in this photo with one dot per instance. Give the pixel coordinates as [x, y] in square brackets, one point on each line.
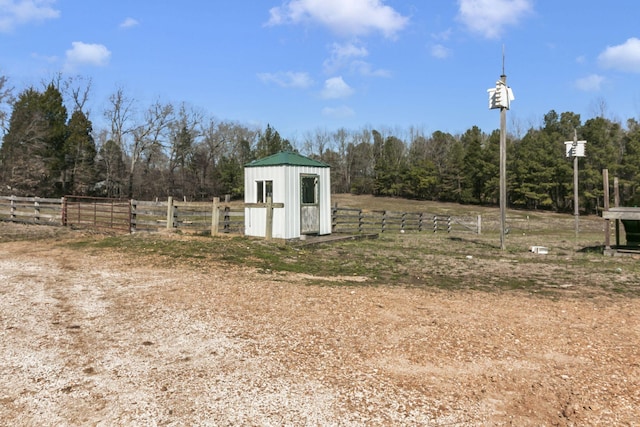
[93, 339]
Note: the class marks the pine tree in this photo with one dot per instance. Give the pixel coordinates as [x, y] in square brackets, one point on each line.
[79, 154]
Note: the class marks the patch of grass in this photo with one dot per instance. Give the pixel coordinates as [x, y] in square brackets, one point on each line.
[456, 261]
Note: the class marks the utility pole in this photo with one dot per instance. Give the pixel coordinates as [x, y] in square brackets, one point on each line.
[575, 149]
[500, 97]
[503, 169]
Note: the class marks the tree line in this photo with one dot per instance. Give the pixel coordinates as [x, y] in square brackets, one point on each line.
[50, 148]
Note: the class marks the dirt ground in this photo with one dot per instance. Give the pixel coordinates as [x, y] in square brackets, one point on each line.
[93, 338]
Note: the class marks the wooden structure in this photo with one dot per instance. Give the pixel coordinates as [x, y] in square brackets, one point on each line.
[295, 190]
[630, 218]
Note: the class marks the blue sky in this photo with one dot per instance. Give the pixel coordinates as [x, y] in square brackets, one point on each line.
[304, 65]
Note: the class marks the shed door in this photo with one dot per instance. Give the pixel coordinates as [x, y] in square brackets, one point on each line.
[309, 204]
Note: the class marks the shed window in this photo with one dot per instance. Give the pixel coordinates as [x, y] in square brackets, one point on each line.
[309, 193]
[264, 189]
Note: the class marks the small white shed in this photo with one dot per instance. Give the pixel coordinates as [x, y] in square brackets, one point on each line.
[302, 185]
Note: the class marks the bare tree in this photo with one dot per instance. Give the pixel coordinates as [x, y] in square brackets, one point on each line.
[120, 113]
[149, 135]
[6, 101]
[184, 132]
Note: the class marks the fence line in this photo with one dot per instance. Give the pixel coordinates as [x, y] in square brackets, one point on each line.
[195, 217]
[213, 217]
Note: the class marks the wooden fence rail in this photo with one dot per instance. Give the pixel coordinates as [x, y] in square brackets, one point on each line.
[350, 220]
[192, 217]
[31, 210]
[215, 217]
[201, 217]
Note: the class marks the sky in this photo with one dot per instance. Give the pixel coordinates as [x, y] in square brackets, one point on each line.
[308, 65]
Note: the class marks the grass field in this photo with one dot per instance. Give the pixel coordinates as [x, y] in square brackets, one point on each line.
[458, 260]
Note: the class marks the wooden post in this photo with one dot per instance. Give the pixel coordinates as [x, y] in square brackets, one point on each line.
[607, 222]
[503, 169]
[269, 231]
[384, 221]
[616, 203]
[13, 208]
[215, 216]
[36, 205]
[269, 206]
[170, 213]
[133, 214]
[479, 224]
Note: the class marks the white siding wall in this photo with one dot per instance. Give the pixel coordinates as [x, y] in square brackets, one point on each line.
[286, 189]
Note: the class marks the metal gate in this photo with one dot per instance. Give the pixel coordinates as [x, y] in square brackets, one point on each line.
[96, 213]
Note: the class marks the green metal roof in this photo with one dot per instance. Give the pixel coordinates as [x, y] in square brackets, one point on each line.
[288, 158]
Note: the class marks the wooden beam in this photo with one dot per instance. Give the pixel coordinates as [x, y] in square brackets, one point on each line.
[269, 206]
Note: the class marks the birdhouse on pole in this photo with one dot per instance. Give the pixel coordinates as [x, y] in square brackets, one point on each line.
[575, 148]
[500, 96]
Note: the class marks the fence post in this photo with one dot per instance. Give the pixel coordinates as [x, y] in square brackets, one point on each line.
[36, 209]
[334, 218]
[420, 222]
[63, 214]
[360, 221]
[169, 213]
[404, 219]
[435, 223]
[384, 220]
[448, 224]
[215, 216]
[13, 208]
[479, 224]
[132, 215]
[227, 219]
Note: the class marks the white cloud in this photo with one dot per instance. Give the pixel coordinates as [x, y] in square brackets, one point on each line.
[342, 112]
[348, 55]
[341, 56]
[19, 12]
[335, 88]
[87, 54]
[490, 17]
[366, 69]
[129, 23]
[440, 51]
[591, 83]
[623, 57]
[291, 79]
[346, 18]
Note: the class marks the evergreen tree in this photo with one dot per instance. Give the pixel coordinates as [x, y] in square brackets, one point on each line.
[472, 141]
[602, 152]
[32, 156]
[270, 142]
[453, 175]
[55, 114]
[630, 166]
[79, 154]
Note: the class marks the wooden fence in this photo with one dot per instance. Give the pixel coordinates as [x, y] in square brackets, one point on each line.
[128, 215]
[34, 210]
[214, 217]
[194, 217]
[353, 220]
[203, 217]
